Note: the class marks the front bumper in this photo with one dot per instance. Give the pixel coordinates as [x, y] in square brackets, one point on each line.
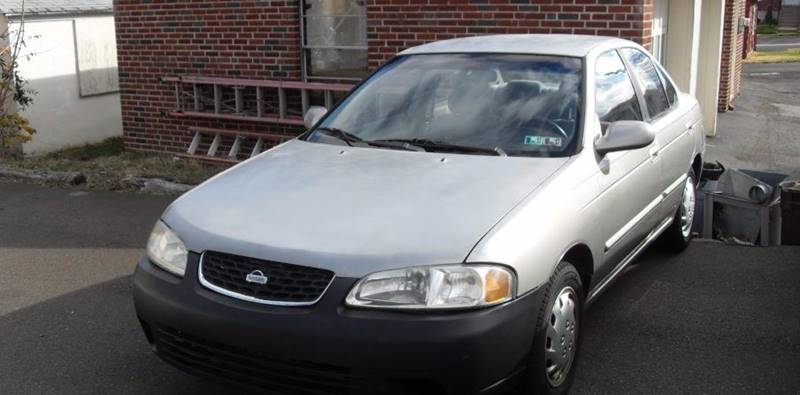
[328, 348]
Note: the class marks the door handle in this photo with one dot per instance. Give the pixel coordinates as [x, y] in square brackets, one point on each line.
[689, 125]
[654, 152]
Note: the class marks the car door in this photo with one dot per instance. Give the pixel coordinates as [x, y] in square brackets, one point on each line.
[670, 122]
[630, 179]
[677, 139]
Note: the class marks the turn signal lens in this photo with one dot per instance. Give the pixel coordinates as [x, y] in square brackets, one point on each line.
[497, 286]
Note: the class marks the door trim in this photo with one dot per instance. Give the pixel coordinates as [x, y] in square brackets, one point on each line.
[647, 210]
[628, 259]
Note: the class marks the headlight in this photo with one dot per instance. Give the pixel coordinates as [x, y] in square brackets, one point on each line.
[166, 250]
[435, 287]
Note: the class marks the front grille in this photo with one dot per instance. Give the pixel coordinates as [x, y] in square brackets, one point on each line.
[285, 283]
[243, 368]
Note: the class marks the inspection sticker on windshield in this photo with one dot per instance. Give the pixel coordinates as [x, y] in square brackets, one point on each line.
[543, 141]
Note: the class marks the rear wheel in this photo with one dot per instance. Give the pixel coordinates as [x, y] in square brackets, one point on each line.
[679, 234]
[553, 358]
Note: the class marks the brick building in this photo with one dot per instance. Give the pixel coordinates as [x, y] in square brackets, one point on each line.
[732, 55]
[769, 11]
[214, 66]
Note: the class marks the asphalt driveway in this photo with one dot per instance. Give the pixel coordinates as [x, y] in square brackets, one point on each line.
[774, 42]
[762, 131]
[715, 319]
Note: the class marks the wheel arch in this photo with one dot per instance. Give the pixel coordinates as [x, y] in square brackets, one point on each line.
[580, 256]
[697, 165]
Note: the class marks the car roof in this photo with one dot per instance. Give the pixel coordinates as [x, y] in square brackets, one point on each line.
[540, 44]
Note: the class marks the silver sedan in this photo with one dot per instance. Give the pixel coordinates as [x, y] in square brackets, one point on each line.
[441, 228]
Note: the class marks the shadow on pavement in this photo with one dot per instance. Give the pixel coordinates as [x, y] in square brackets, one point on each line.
[88, 341]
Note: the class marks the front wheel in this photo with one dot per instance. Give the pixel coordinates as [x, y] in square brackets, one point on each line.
[553, 358]
[679, 234]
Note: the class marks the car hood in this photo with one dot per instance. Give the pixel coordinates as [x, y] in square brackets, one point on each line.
[354, 210]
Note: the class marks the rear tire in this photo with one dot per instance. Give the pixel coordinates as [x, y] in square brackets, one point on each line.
[677, 237]
[553, 357]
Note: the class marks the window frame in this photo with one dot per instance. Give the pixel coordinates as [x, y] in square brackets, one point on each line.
[665, 80]
[305, 50]
[660, 30]
[634, 84]
[639, 84]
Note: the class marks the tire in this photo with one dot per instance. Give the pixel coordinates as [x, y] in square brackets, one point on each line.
[553, 371]
[677, 237]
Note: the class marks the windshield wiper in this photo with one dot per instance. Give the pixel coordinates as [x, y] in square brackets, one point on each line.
[340, 134]
[433, 145]
[350, 138]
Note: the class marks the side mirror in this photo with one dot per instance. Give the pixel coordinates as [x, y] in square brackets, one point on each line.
[624, 136]
[313, 115]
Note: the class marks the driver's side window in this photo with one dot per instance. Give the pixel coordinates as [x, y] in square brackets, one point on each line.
[615, 98]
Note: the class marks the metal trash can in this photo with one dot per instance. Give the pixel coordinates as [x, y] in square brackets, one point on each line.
[790, 213]
[744, 208]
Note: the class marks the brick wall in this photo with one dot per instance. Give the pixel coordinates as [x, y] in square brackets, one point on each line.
[769, 10]
[765, 5]
[731, 62]
[260, 39]
[394, 25]
[242, 39]
[736, 76]
[750, 33]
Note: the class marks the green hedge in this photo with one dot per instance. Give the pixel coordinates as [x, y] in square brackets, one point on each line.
[764, 28]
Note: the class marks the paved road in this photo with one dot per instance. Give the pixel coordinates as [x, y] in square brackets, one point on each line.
[715, 319]
[67, 323]
[763, 131]
[774, 43]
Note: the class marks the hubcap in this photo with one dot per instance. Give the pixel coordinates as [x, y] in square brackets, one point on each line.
[562, 336]
[687, 208]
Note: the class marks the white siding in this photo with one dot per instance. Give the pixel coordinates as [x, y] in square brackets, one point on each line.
[60, 115]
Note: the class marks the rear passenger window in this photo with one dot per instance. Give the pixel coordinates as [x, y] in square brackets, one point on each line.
[615, 98]
[654, 95]
[672, 93]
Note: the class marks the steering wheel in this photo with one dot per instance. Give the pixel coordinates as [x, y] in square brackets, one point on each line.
[547, 122]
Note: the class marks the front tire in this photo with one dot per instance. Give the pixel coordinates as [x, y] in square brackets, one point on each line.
[553, 358]
[677, 237]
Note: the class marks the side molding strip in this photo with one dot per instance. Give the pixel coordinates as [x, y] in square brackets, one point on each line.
[650, 206]
[628, 259]
[675, 185]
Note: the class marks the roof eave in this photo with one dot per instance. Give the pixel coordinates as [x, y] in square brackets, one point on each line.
[57, 13]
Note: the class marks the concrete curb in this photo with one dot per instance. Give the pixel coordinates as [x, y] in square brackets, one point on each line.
[157, 186]
[65, 177]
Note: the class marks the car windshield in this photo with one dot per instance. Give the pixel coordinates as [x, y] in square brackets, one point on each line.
[504, 104]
